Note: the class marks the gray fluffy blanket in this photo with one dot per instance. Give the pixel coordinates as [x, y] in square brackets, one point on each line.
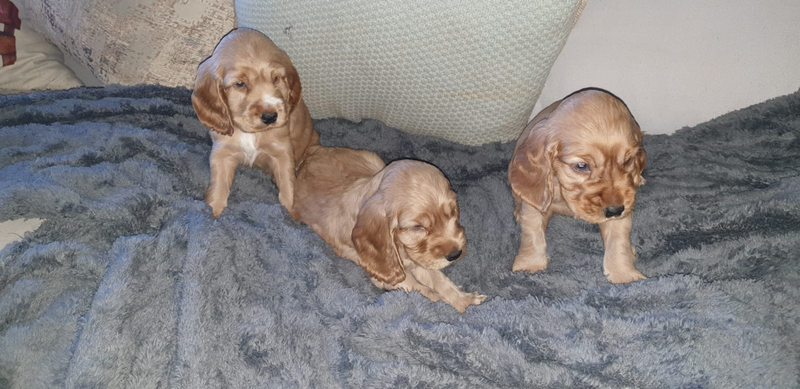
[130, 283]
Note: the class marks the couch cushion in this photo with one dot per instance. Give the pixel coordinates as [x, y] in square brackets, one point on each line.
[136, 41]
[469, 72]
[39, 64]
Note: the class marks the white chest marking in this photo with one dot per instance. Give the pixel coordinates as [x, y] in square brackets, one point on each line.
[248, 144]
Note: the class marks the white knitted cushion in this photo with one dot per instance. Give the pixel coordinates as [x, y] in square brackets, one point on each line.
[467, 71]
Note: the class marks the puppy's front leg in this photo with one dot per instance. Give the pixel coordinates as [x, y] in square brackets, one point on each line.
[443, 285]
[408, 285]
[281, 162]
[223, 168]
[532, 255]
[619, 258]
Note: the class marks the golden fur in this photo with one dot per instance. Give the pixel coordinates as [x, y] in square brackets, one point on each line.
[399, 222]
[248, 93]
[583, 157]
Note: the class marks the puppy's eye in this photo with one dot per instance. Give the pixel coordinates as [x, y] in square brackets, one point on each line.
[582, 167]
[240, 85]
[419, 228]
[628, 161]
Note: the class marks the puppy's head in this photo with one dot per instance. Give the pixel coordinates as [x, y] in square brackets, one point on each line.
[413, 215]
[247, 84]
[589, 147]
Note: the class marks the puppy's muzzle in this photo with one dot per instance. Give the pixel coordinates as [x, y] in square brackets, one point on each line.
[614, 211]
[269, 117]
[453, 255]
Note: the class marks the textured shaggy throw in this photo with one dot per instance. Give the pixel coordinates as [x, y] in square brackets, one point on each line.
[130, 283]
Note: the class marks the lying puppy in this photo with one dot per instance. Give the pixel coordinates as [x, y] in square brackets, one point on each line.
[399, 222]
[583, 157]
[248, 94]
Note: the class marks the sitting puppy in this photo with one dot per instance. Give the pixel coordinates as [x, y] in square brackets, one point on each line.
[399, 222]
[583, 157]
[248, 94]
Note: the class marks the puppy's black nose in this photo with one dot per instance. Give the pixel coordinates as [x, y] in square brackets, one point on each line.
[614, 211]
[453, 256]
[269, 118]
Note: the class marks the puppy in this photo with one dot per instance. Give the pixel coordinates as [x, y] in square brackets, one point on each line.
[399, 222]
[582, 157]
[248, 94]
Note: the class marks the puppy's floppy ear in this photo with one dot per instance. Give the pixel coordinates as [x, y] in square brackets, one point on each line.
[639, 162]
[641, 156]
[287, 79]
[531, 170]
[209, 99]
[373, 238]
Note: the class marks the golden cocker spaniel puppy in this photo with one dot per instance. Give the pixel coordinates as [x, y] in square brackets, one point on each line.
[248, 94]
[582, 157]
[399, 222]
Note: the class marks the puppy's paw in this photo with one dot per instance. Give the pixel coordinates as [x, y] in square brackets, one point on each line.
[530, 264]
[216, 209]
[625, 276]
[464, 300]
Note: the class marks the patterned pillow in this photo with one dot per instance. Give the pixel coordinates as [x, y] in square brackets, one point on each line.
[467, 71]
[136, 41]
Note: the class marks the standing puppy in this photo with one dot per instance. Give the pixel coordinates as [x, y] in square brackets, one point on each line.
[399, 222]
[248, 94]
[583, 157]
